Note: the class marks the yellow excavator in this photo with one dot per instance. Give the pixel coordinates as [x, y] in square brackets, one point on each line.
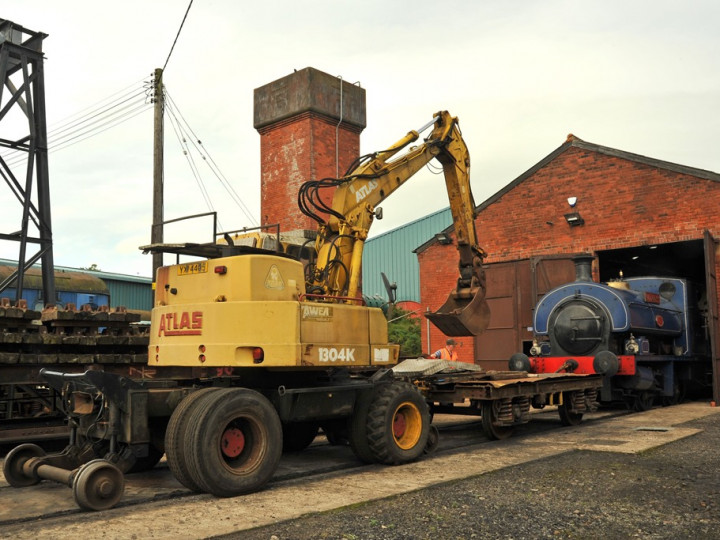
[341, 237]
[253, 351]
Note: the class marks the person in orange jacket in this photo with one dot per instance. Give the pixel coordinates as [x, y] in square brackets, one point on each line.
[447, 352]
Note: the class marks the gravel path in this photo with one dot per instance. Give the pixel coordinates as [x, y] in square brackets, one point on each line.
[670, 492]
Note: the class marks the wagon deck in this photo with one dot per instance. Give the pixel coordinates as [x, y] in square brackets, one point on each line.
[502, 398]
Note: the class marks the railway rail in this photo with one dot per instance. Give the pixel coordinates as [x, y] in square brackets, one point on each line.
[48, 502]
[502, 399]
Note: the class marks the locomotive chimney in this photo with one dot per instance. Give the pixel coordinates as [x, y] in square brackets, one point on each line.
[583, 267]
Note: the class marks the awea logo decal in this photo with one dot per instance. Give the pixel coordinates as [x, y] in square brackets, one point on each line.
[316, 313]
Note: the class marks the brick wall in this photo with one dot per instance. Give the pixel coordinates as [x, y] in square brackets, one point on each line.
[302, 118]
[294, 151]
[624, 203]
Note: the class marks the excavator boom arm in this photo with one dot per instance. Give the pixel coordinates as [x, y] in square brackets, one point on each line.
[341, 237]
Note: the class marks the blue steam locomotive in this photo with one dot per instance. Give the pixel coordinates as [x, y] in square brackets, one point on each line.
[645, 334]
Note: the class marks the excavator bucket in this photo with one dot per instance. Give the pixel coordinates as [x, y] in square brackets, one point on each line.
[463, 314]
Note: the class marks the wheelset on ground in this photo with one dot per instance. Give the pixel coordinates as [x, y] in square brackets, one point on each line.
[96, 485]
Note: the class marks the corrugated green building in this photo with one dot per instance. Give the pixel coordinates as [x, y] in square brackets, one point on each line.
[133, 292]
[392, 253]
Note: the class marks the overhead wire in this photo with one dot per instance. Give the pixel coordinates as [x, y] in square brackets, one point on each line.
[205, 155]
[91, 121]
[87, 111]
[120, 107]
[104, 127]
[96, 127]
[109, 112]
[98, 113]
[178, 35]
[183, 145]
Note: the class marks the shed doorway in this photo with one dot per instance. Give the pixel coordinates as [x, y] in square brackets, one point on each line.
[692, 260]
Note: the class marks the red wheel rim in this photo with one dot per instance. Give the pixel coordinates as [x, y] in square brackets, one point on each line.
[399, 425]
[233, 442]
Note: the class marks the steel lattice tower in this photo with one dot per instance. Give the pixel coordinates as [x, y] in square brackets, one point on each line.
[22, 96]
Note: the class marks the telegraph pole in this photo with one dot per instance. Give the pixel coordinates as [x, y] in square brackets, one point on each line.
[156, 235]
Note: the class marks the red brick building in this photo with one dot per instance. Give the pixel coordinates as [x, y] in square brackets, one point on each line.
[638, 215]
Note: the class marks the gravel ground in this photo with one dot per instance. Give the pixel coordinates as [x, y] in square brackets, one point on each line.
[669, 492]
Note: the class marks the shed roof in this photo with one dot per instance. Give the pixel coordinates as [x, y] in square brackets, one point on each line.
[576, 142]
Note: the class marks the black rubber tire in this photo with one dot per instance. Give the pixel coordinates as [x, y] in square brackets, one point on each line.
[298, 436]
[357, 433]
[433, 440]
[398, 424]
[14, 461]
[175, 448]
[98, 485]
[568, 418]
[234, 416]
[489, 415]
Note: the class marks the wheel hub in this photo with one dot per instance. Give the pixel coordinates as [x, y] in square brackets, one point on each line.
[399, 425]
[233, 442]
[105, 488]
[406, 425]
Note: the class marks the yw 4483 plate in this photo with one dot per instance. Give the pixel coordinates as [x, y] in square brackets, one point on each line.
[199, 267]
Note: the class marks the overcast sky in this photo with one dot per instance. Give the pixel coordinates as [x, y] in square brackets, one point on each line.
[641, 76]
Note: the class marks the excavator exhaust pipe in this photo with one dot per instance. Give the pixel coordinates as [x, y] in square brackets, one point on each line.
[464, 313]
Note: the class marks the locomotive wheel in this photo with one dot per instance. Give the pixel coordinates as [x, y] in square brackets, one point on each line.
[433, 440]
[398, 424]
[568, 418]
[234, 442]
[489, 413]
[643, 401]
[299, 435]
[677, 397]
[175, 438]
[14, 461]
[98, 485]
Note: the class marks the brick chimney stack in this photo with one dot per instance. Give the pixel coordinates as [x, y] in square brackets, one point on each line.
[304, 135]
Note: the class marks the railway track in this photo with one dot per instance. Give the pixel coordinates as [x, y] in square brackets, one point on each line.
[48, 502]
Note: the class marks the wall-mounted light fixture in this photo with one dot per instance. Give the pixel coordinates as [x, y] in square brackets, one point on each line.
[572, 201]
[443, 238]
[574, 219]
